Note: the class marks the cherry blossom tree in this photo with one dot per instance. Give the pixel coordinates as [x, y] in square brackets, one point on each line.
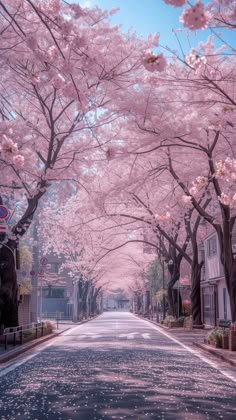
[61, 66]
[200, 15]
[186, 127]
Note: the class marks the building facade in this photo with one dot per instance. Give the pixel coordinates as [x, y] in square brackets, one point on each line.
[214, 295]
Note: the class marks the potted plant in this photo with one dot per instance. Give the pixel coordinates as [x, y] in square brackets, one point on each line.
[169, 321]
[225, 338]
[215, 337]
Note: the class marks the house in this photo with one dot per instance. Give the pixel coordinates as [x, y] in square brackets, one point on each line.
[54, 289]
[214, 295]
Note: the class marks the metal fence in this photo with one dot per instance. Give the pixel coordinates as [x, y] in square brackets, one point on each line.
[17, 335]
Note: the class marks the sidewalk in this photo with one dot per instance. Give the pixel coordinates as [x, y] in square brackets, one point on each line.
[14, 351]
[195, 337]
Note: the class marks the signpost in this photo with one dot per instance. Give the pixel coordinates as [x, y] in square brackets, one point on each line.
[3, 228]
[4, 213]
[43, 261]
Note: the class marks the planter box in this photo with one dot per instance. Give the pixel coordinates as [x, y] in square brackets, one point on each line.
[188, 323]
[225, 342]
[232, 340]
[215, 344]
[172, 324]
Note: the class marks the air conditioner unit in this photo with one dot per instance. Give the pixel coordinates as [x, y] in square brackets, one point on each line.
[234, 248]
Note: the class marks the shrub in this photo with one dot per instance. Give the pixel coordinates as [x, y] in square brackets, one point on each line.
[216, 335]
[181, 320]
[49, 326]
[169, 318]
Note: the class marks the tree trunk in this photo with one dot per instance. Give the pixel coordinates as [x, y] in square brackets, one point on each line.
[9, 288]
[173, 298]
[94, 302]
[196, 294]
[229, 265]
[139, 303]
[83, 293]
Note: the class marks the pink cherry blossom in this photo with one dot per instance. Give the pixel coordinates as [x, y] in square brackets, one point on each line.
[176, 3]
[195, 60]
[228, 199]
[198, 183]
[8, 147]
[226, 169]
[18, 161]
[195, 17]
[154, 62]
[58, 81]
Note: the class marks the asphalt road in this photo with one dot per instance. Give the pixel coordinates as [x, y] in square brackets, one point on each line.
[116, 367]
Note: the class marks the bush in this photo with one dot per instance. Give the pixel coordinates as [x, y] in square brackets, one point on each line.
[216, 335]
[186, 308]
[49, 326]
[181, 320]
[169, 318]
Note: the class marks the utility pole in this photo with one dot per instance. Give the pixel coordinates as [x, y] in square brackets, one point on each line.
[163, 287]
[35, 291]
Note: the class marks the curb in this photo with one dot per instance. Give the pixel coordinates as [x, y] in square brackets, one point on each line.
[215, 353]
[199, 345]
[11, 354]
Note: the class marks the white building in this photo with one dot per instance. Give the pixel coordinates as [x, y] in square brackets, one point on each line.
[215, 298]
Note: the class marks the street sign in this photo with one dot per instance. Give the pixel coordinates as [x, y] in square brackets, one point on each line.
[43, 261]
[3, 228]
[3, 212]
[32, 272]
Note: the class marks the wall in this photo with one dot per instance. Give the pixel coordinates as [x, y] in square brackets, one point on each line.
[221, 285]
[24, 311]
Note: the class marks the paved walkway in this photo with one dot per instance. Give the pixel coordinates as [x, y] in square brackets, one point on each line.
[186, 336]
[14, 351]
[195, 337]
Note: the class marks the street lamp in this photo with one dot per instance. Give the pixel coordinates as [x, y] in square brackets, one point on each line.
[163, 287]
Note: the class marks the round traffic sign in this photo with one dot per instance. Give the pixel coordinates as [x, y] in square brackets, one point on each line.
[32, 272]
[43, 261]
[3, 212]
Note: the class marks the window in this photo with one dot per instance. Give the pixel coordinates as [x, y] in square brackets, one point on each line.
[211, 246]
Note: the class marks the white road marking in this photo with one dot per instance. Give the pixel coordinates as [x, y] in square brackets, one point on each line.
[14, 366]
[89, 335]
[195, 352]
[129, 336]
[146, 336]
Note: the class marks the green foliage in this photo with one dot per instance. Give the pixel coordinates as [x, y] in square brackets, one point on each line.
[26, 260]
[181, 320]
[169, 318]
[154, 275]
[216, 335]
[49, 326]
[186, 308]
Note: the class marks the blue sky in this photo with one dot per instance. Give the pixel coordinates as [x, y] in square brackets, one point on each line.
[148, 16]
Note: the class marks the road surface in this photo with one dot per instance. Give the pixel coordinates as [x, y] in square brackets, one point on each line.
[116, 367]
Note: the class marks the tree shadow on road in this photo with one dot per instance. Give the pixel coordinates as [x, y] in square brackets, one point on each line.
[116, 383]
